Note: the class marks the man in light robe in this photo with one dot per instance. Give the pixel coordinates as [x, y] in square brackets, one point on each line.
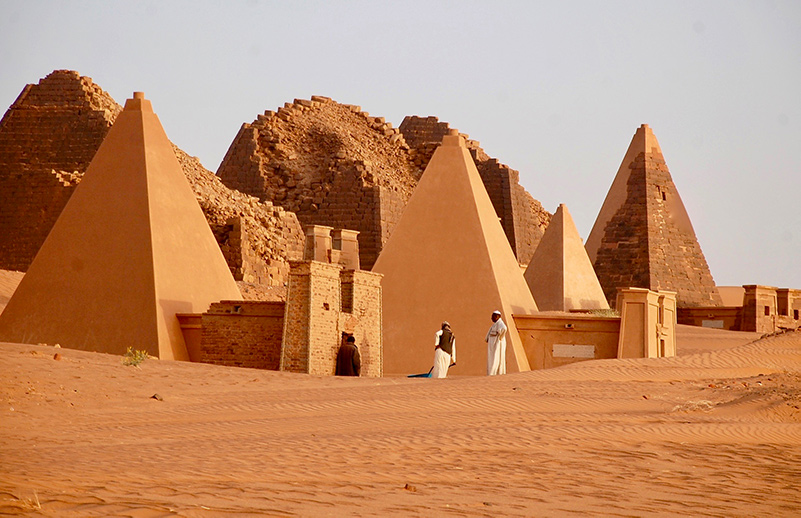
[444, 351]
[496, 346]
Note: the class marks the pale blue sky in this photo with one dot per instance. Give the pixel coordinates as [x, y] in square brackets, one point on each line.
[555, 90]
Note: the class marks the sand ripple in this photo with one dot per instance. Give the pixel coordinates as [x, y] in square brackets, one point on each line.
[712, 433]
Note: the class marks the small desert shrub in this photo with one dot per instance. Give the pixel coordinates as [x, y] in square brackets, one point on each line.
[30, 504]
[134, 357]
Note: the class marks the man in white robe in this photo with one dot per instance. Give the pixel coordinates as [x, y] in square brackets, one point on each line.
[444, 351]
[496, 346]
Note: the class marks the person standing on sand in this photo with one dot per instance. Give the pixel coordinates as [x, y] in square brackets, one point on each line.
[444, 351]
[496, 346]
[349, 362]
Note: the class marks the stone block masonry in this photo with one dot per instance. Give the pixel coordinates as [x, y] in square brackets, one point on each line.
[364, 320]
[326, 302]
[243, 334]
[763, 309]
[647, 240]
[523, 218]
[310, 328]
[49, 136]
[30, 203]
[257, 239]
[332, 164]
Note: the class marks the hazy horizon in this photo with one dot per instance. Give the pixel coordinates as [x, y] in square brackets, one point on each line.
[554, 90]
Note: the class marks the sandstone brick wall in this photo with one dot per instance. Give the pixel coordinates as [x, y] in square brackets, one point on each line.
[623, 258]
[243, 334]
[294, 351]
[56, 124]
[643, 246]
[323, 302]
[789, 307]
[48, 136]
[759, 309]
[364, 321]
[302, 334]
[330, 163]
[764, 309]
[523, 218]
[311, 337]
[258, 239]
[30, 203]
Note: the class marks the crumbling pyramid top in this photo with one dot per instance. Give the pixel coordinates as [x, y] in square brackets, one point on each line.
[448, 259]
[332, 164]
[40, 129]
[130, 250]
[560, 275]
[643, 236]
[49, 136]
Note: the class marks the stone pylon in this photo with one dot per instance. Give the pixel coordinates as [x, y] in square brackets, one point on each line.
[129, 251]
[643, 236]
[449, 259]
[560, 275]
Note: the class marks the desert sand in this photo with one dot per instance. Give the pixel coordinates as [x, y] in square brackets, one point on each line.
[9, 280]
[715, 431]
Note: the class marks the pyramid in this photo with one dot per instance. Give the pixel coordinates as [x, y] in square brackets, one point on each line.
[130, 249]
[643, 236]
[448, 259]
[560, 275]
[48, 136]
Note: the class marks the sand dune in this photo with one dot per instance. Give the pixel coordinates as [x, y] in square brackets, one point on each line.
[710, 433]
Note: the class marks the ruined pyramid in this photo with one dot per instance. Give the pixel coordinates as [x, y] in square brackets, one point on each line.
[643, 236]
[48, 136]
[130, 249]
[522, 217]
[331, 164]
[560, 275]
[448, 259]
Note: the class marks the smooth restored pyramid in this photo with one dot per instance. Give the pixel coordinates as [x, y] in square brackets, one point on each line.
[643, 237]
[560, 275]
[448, 259]
[129, 251]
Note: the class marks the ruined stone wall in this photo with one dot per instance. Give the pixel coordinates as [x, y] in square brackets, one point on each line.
[311, 338]
[523, 218]
[243, 334]
[765, 309]
[789, 307]
[258, 239]
[364, 320]
[676, 260]
[30, 203]
[48, 136]
[330, 163]
[323, 302]
[623, 257]
[644, 247]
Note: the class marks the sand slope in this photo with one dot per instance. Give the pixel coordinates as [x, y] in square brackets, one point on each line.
[9, 280]
[716, 433]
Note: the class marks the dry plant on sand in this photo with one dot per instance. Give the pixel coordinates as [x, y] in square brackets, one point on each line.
[28, 504]
[134, 357]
